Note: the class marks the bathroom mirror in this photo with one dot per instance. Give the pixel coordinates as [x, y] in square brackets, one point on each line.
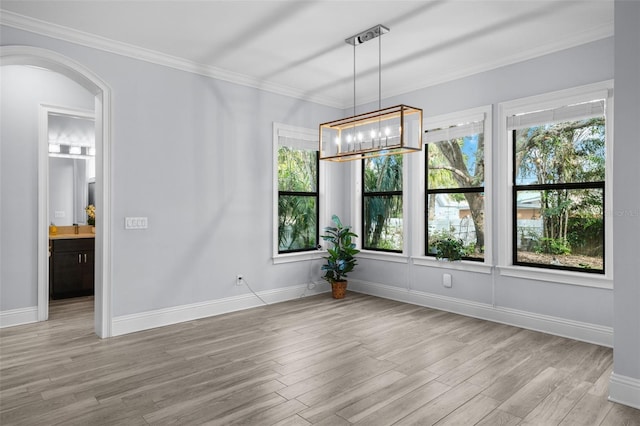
[71, 167]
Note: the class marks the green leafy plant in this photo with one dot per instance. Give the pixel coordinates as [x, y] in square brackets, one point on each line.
[553, 246]
[450, 248]
[340, 260]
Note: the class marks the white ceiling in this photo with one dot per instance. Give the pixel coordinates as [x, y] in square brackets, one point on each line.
[297, 47]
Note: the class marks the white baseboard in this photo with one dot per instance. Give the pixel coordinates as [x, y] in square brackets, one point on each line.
[624, 390]
[576, 330]
[125, 324]
[18, 316]
[161, 317]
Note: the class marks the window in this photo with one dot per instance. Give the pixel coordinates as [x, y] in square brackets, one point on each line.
[297, 189]
[382, 215]
[455, 186]
[558, 186]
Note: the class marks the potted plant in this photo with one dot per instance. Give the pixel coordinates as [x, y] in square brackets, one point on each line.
[449, 248]
[340, 260]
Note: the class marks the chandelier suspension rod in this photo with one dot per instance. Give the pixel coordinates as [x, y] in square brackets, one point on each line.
[379, 72]
[354, 84]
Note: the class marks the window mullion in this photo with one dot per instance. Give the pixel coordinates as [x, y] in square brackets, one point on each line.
[556, 186]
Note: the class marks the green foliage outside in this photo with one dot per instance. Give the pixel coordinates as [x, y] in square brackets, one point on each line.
[552, 246]
[586, 234]
[445, 245]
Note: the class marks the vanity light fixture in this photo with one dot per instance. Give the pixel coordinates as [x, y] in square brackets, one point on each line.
[386, 131]
[63, 150]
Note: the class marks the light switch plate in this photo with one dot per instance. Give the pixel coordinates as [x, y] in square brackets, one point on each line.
[446, 280]
[136, 223]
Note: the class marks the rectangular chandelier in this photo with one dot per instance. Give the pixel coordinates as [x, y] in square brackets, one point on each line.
[388, 131]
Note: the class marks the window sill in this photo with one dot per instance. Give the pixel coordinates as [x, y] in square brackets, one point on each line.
[559, 277]
[462, 265]
[386, 257]
[298, 257]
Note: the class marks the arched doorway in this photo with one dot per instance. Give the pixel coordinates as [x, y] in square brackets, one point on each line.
[52, 61]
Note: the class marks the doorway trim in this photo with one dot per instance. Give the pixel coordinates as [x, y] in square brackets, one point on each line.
[43, 58]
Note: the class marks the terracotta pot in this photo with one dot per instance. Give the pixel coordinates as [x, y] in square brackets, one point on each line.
[339, 289]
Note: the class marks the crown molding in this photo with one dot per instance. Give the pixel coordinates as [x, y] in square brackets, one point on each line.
[93, 41]
[60, 32]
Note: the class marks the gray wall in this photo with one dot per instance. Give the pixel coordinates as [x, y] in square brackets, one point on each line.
[193, 155]
[626, 202]
[23, 90]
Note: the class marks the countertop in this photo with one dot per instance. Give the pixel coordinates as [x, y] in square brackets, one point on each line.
[68, 232]
[71, 236]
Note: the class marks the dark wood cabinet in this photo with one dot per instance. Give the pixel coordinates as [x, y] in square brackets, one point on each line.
[71, 267]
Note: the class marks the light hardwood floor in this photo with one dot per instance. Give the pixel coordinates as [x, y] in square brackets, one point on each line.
[362, 360]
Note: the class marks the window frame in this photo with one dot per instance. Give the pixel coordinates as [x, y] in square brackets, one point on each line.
[311, 136]
[421, 257]
[506, 190]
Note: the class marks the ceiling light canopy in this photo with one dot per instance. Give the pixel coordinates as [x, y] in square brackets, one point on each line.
[367, 35]
[386, 131]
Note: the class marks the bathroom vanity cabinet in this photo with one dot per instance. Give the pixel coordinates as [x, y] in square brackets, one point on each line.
[71, 267]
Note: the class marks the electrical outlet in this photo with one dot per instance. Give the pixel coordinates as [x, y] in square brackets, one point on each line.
[238, 279]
